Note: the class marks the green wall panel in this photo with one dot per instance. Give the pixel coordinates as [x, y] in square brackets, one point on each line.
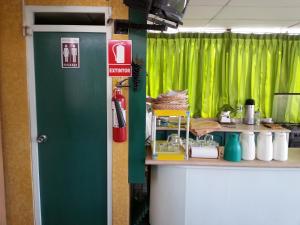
[137, 105]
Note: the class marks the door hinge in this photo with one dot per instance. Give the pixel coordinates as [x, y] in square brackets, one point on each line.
[27, 31]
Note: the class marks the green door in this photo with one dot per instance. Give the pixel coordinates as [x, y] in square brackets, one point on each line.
[71, 112]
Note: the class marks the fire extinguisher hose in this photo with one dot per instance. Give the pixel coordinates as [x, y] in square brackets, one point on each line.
[120, 115]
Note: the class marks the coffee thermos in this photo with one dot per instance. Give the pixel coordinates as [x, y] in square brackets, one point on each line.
[249, 112]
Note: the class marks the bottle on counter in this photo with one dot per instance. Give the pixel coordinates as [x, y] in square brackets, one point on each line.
[247, 140]
[264, 148]
[232, 150]
[280, 146]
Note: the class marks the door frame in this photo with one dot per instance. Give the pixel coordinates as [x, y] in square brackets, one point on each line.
[29, 28]
[2, 181]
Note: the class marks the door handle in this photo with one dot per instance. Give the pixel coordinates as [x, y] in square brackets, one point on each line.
[42, 139]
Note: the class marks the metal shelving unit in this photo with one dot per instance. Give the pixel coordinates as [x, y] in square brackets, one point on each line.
[170, 113]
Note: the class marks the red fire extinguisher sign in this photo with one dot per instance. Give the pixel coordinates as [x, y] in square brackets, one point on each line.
[119, 58]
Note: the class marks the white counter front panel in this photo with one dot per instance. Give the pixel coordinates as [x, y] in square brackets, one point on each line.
[224, 196]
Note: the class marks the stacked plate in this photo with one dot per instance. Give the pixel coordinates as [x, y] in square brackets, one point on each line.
[173, 100]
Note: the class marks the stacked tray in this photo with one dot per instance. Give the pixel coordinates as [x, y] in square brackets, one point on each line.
[173, 100]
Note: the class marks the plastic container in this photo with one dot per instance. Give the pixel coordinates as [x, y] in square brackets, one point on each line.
[247, 140]
[280, 147]
[264, 146]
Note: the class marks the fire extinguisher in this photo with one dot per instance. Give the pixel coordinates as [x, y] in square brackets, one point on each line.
[119, 116]
[119, 52]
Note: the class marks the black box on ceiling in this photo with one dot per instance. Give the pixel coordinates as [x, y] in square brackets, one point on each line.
[122, 26]
[172, 10]
[142, 5]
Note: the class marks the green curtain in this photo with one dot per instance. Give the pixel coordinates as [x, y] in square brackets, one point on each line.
[227, 68]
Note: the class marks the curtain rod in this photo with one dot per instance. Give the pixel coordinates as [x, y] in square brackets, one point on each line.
[231, 30]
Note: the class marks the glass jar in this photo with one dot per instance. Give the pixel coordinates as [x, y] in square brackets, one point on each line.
[257, 117]
[174, 143]
[239, 114]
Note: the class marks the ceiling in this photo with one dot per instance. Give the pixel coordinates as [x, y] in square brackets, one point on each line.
[275, 14]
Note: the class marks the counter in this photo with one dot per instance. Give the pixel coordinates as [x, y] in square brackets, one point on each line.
[217, 192]
[248, 128]
[227, 127]
[293, 162]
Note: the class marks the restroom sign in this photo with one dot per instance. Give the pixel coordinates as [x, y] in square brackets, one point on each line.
[70, 57]
[119, 58]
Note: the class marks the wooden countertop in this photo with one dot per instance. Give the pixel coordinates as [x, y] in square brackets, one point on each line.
[293, 162]
[251, 128]
[234, 128]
